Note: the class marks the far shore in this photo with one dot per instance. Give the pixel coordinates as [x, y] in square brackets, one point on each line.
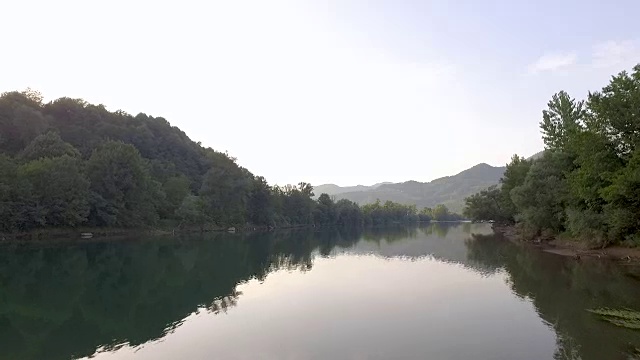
[75, 234]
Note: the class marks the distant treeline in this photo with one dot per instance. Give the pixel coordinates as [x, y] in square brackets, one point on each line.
[587, 183]
[68, 163]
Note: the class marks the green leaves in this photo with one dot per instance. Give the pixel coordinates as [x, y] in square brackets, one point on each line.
[562, 121]
[588, 181]
[486, 206]
[48, 145]
[120, 177]
[541, 199]
[56, 193]
[614, 111]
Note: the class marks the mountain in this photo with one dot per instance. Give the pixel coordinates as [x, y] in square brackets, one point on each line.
[536, 156]
[333, 189]
[449, 190]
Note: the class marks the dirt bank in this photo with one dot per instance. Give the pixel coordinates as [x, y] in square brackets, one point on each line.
[572, 248]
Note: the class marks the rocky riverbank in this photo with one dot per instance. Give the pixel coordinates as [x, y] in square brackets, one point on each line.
[570, 247]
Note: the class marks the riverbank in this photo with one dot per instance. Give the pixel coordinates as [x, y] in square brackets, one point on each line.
[570, 247]
[86, 233]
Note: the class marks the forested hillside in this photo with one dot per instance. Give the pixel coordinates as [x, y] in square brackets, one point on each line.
[450, 190]
[586, 184]
[332, 189]
[68, 164]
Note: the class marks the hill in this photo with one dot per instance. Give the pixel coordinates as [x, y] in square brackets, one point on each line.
[536, 156]
[333, 189]
[69, 164]
[449, 190]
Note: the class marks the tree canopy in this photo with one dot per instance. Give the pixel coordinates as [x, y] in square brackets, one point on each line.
[587, 183]
[69, 163]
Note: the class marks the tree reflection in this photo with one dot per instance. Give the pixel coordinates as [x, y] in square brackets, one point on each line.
[562, 289]
[66, 301]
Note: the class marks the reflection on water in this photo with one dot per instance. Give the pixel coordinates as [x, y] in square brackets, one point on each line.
[445, 291]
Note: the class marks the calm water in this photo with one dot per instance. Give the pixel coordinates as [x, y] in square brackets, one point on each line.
[434, 292]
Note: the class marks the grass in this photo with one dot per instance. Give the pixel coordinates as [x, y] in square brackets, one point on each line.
[626, 318]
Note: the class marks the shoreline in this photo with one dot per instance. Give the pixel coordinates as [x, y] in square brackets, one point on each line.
[75, 235]
[569, 248]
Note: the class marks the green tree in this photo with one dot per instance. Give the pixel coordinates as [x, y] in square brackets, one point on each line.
[260, 206]
[426, 214]
[486, 205]
[541, 199]
[125, 194]
[348, 213]
[514, 176]
[176, 188]
[562, 121]
[10, 211]
[20, 120]
[622, 211]
[440, 213]
[58, 191]
[225, 191]
[192, 211]
[614, 112]
[48, 145]
[325, 211]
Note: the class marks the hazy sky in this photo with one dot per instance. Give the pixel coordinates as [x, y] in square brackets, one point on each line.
[347, 92]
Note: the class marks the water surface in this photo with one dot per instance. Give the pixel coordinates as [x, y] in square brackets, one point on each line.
[444, 291]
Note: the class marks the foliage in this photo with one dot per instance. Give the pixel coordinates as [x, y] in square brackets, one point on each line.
[561, 121]
[48, 145]
[69, 163]
[495, 203]
[588, 181]
[541, 198]
[388, 213]
[191, 211]
[55, 192]
[442, 213]
[486, 205]
[119, 176]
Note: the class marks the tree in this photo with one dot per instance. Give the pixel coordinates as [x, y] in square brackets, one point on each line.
[562, 121]
[176, 188]
[48, 145]
[486, 206]
[614, 112]
[348, 213]
[125, 193]
[10, 212]
[541, 199]
[225, 191]
[514, 176]
[325, 212]
[306, 189]
[260, 206]
[20, 120]
[192, 211]
[58, 192]
[426, 214]
[440, 213]
[622, 211]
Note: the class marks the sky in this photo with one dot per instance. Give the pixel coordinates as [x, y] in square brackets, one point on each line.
[334, 91]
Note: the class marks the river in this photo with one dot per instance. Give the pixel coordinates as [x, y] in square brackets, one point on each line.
[439, 291]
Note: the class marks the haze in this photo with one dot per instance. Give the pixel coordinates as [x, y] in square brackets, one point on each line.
[345, 92]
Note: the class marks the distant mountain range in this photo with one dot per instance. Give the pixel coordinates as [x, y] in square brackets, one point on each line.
[450, 190]
[333, 189]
